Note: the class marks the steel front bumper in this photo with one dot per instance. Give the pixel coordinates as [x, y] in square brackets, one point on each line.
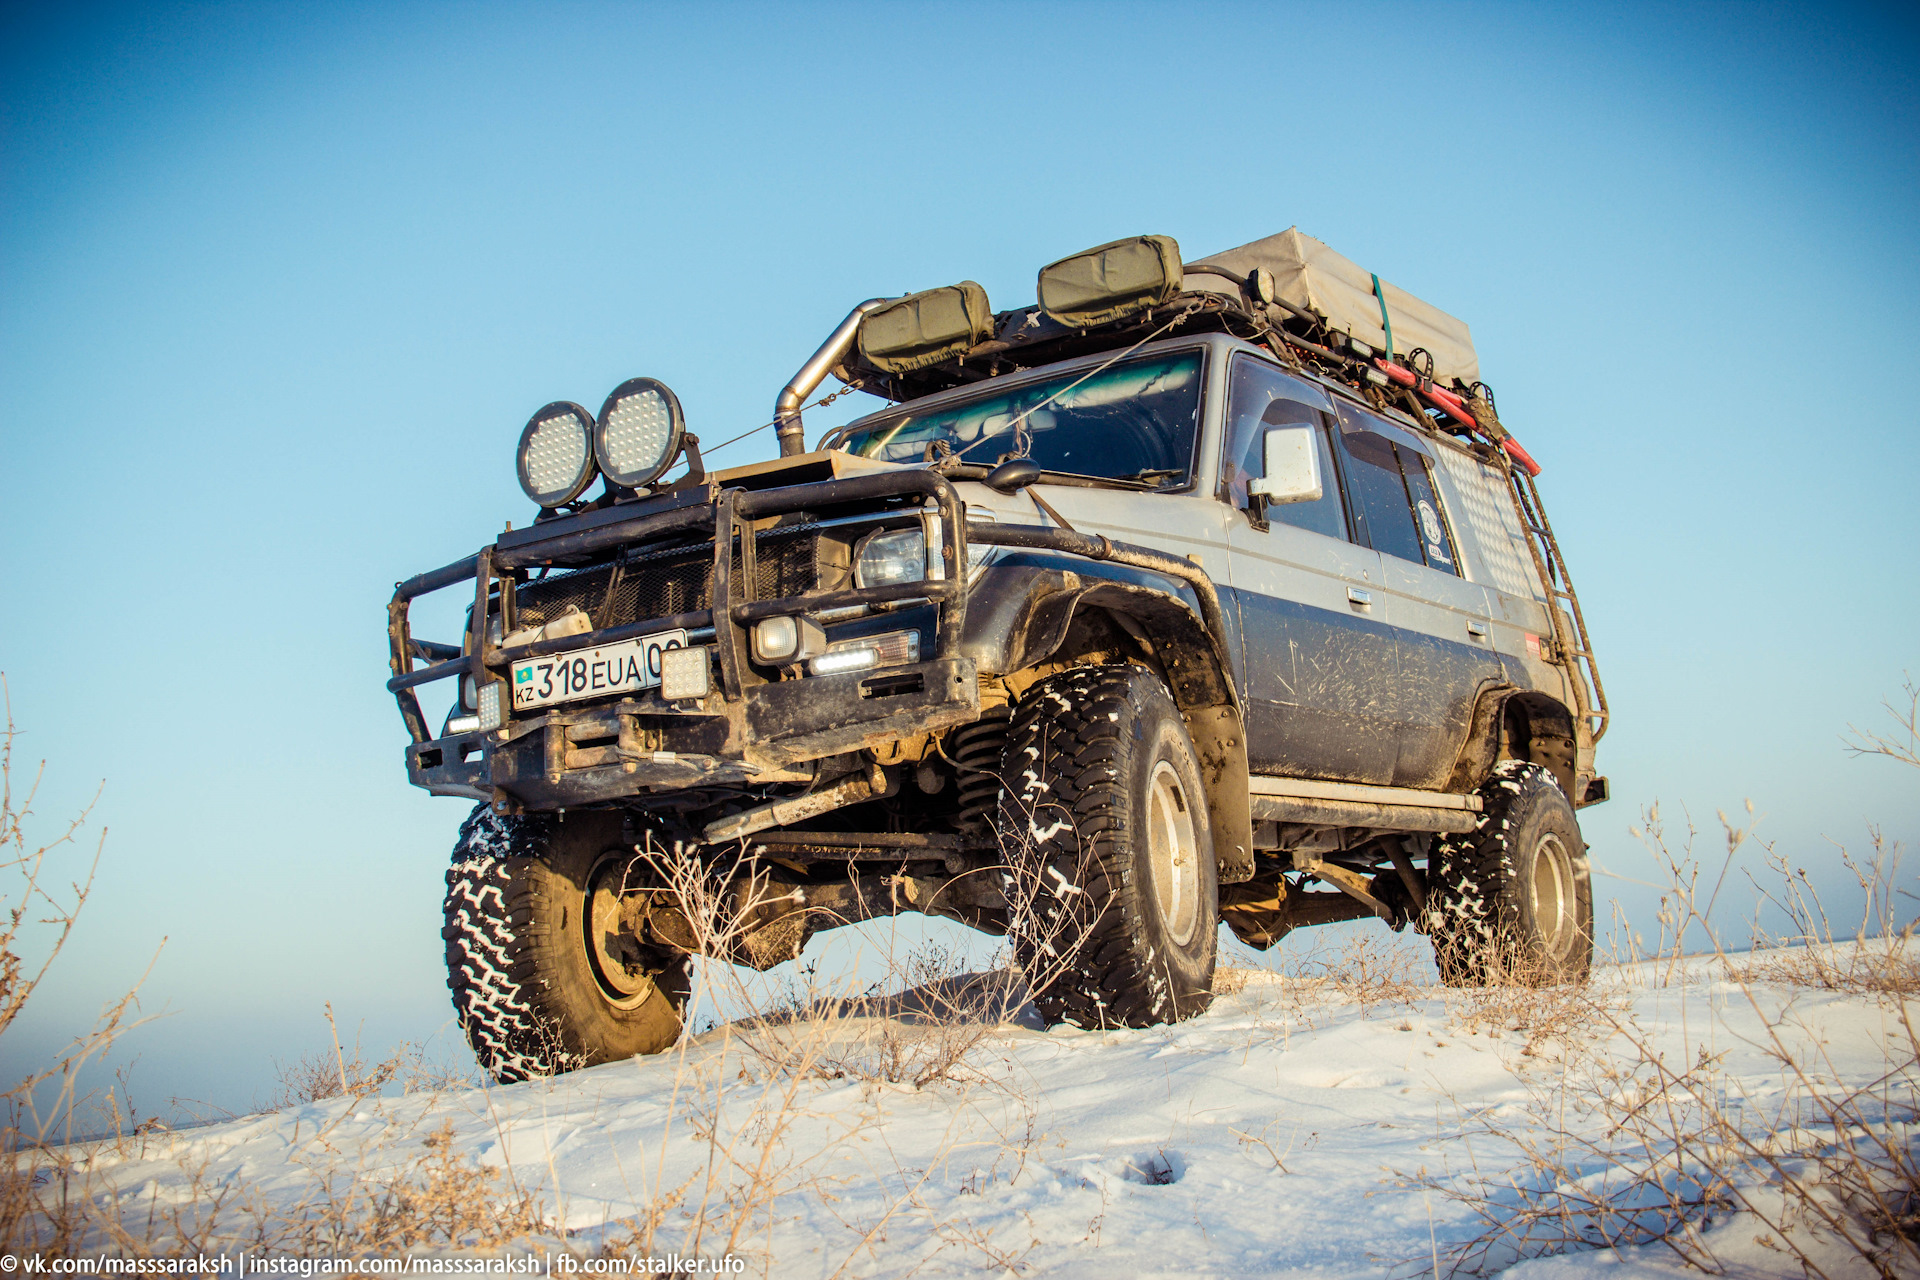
[751, 727]
[583, 755]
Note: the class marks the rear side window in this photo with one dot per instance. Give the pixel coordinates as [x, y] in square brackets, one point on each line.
[1395, 507]
[1261, 396]
[1429, 517]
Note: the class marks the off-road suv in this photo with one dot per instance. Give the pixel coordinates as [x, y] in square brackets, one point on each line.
[1194, 592]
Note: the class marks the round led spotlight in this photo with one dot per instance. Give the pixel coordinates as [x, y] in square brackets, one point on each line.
[639, 432]
[556, 454]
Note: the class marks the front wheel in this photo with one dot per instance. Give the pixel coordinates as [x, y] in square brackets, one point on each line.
[1512, 900]
[1110, 876]
[543, 977]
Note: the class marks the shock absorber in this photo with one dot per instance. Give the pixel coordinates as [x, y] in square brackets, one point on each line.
[974, 750]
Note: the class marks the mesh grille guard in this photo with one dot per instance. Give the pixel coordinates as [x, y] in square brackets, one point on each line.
[744, 573]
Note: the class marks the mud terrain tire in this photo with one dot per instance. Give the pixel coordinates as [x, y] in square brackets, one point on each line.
[531, 995]
[1110, 866]
[1511, 902]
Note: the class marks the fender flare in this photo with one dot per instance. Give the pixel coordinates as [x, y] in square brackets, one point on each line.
[1033, 617]
[1545, 723]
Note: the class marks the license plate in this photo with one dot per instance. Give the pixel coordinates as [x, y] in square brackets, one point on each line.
[626, 667]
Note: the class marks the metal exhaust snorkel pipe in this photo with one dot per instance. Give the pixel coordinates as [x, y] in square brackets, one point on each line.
[786, 410]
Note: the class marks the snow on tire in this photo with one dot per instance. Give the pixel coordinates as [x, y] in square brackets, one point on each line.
[1110, 875]
[520, 965]
[1512, 900]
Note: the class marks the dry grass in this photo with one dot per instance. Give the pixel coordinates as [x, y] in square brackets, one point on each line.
[1635, 1149]
[1634, 1146]
[438, 1200]
[741, 1102]
[37, 916]
[1380, 973]
[746, 1100]
[434, 1200]
[1231, 980]
[1368, 969]
[1545, 1020]
[1611, 1148]
[336, 1072]
[57, 1196]
[1878, 959]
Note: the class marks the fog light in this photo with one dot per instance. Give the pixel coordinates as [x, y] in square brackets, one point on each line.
[854, 658]
[893, 649]
[493, 705]
[686, 675]
[779, 641]
[462, 724]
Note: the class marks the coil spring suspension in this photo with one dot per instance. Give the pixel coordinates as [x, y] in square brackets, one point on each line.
[974, 750]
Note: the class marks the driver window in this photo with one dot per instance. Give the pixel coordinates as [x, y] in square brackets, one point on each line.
[1260, 396]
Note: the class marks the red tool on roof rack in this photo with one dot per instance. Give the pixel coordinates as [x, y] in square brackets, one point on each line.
[1451, 404]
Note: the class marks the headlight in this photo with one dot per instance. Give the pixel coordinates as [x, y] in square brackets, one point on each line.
[638, 435]
[884, 559]
[556, 454]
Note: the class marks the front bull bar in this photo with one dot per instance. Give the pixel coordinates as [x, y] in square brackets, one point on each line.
[491, 571]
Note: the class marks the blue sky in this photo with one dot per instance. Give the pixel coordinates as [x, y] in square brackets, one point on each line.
[279, 286]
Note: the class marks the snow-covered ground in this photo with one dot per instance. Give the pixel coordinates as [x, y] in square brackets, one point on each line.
[1285, 1132]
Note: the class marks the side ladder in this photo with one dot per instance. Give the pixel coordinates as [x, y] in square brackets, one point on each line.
[1573, 648]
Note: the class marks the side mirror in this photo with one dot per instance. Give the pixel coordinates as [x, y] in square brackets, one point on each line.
[1293, 467]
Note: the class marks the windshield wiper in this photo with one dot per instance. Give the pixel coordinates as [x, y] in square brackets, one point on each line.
[978, 471]
[1163, 474]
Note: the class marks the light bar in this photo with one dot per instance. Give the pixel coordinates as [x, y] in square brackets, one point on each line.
[851, 658]
[890, 649]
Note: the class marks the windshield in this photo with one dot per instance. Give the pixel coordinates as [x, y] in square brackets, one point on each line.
[1134, 421]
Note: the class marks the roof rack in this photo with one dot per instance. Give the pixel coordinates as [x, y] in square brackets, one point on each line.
[1289, 294]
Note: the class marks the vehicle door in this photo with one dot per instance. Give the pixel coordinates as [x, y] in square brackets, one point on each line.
[1317, 652]
[1441, 621]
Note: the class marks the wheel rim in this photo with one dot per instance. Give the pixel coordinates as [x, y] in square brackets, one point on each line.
[1553, 893]
[1173, 854]
[614, 955]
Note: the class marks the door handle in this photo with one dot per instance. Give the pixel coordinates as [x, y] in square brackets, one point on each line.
[1477, 629]
[1362, 598]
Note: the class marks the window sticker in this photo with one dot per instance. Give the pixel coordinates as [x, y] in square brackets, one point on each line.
[1434, 532]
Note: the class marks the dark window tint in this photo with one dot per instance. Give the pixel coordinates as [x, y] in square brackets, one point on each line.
[1261, 396]
[1379, 494]
[1395, 506]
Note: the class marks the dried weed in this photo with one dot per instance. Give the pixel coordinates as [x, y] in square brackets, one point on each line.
[1630, 1147]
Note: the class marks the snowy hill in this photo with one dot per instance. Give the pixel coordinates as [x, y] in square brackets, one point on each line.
[1363, 1124]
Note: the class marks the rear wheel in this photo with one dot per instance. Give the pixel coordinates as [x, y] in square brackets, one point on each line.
[543, 977]
[1512, 901]
[1111, 885]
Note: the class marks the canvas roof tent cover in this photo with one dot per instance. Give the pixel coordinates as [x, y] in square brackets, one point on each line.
[1314, 278]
